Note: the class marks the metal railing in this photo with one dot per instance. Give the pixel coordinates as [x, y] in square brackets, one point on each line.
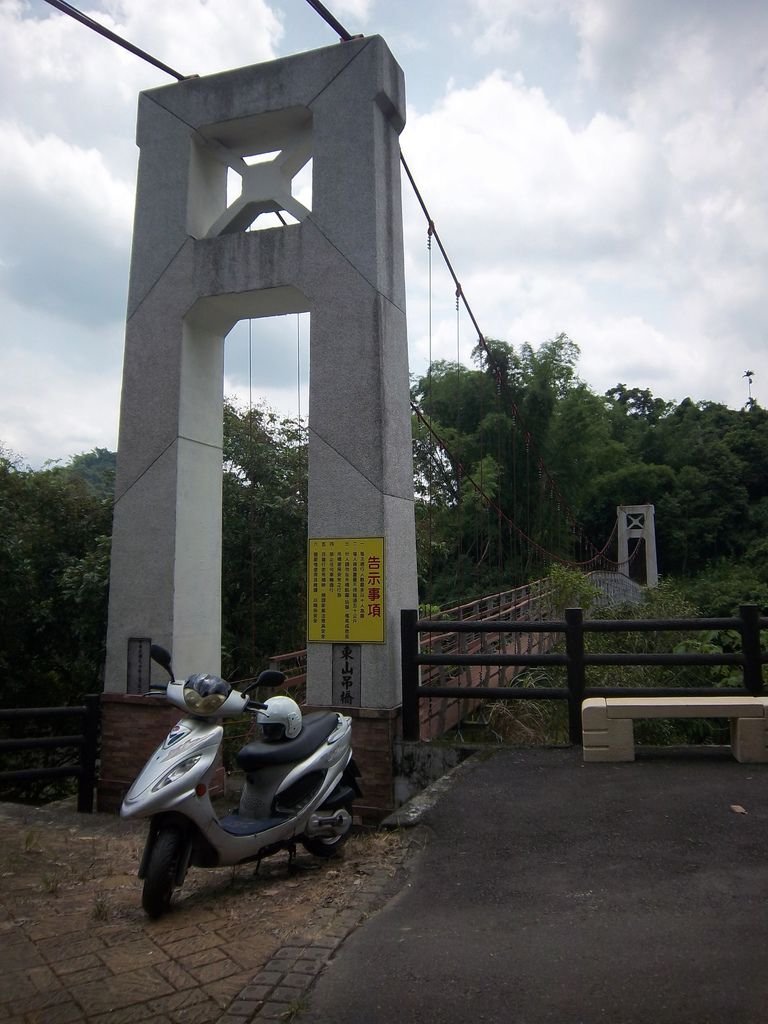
[535, 600]
[86, 742]
[575, 660]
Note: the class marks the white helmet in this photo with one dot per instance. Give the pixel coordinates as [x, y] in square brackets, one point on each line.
[281, 719]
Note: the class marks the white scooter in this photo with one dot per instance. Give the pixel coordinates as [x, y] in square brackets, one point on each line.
[300, 781]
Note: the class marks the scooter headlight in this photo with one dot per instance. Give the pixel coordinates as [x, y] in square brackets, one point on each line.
[177, 772]
[204, 694]
[203, 705]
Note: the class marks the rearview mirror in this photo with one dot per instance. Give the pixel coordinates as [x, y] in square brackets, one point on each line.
[162, 657]
[269, 677]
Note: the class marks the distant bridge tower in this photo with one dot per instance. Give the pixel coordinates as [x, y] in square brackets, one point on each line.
[638, 522]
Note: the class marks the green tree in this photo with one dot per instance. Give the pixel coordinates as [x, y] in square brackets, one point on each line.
[95, 468]
[480, 447]
[537, 439]
[264, 538]
[54, 571]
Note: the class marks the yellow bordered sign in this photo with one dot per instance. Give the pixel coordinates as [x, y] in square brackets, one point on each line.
[345, 590]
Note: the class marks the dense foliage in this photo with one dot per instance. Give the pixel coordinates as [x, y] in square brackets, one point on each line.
[545, 722]
[482, 438]
[264, 538]
[55, 529]
[703, 466]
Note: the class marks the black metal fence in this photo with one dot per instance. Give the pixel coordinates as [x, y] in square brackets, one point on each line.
[750, 659]
[85, 742]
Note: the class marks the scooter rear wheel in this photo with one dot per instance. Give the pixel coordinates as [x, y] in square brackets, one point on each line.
[160, 879]
[324, 846]
[327, 846]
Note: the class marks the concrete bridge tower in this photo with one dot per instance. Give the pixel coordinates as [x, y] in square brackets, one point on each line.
[637, 522]
[196, 270]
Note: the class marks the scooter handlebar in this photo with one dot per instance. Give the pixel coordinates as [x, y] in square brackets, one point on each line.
[156, 690]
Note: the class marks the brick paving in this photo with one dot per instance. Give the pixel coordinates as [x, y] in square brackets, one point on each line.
[236, 947]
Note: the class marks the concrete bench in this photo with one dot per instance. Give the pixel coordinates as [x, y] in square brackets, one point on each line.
[608, 730]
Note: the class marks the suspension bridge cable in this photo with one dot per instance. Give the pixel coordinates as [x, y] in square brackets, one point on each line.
[323, 11]
[346, 36]
[326, 15]
[472, 483]
[251, 502]
[430, 460]
[495, 368]
[298, 367]
[113, 37]
[459, 290]
[598, 556]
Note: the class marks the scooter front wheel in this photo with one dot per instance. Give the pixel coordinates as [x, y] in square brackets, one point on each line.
[160, 878]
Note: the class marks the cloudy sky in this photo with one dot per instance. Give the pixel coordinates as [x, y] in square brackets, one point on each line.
[593, 166]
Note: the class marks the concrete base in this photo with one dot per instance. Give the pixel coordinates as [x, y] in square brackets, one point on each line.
[418, 765]
[749, 738]
[616, 742]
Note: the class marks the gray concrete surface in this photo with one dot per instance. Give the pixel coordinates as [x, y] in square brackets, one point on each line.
[196, 271]
[552, 891]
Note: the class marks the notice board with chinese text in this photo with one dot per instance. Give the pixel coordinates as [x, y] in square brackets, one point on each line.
[345, 590]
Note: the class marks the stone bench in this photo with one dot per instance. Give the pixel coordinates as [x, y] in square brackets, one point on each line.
[608, 731]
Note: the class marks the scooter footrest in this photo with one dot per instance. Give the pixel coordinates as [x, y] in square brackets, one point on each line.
[237, 826]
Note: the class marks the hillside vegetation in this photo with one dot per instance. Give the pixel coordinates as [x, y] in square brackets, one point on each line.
[703, 466]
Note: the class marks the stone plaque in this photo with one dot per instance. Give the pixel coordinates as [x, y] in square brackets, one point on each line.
[347, 675]
[139, 664]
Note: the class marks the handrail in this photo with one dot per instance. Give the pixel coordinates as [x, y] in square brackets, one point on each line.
[86, 742]
[748, 623]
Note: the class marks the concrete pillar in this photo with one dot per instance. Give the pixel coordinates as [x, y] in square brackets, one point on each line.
[638, 521]
[196, 270]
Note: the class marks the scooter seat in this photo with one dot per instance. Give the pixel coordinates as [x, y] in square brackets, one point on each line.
[317, 726]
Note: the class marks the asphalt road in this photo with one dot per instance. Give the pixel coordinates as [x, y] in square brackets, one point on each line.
[552, 891]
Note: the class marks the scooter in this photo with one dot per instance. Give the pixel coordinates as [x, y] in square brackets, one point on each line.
[300, 781]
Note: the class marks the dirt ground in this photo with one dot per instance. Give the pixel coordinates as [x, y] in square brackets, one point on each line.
[78, 947]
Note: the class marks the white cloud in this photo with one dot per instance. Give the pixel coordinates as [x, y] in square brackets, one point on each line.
[66, 223]
[68, 80]
[706, 51]
[358, 9]
[642, 228]
[204, 36]
[67, 182]
[501, 22]
[625, 202]
[63, 175]
[507, 170]
[57, 405]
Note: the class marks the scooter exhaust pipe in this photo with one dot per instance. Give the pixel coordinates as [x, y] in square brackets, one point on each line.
[328, 825]
[334, 821]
